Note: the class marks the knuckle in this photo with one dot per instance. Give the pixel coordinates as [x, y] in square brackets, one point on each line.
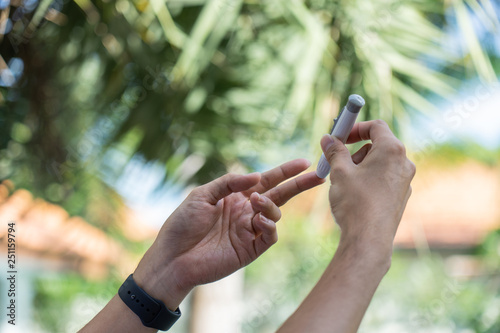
[229, 175]
[339, 170]
[273, 239]
[195, 192]
[226, 179]
[380, 122]
[275, 196]
[412, 168]
[278, 214]
[265, 182]
[286, 173]
[397, 148]
[333, 150]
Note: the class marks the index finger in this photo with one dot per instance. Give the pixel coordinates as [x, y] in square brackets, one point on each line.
[370, 130]
[281, 194]
[223, 186]
[273, 177]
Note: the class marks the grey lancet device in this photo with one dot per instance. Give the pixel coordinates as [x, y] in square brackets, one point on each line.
[342, 126]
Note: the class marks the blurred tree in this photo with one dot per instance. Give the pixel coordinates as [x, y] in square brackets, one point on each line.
[200, 85]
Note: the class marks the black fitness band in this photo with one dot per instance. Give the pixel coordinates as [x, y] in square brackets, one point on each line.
[152, 312]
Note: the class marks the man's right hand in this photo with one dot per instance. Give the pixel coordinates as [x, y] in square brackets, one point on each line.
[369, 189]
[368, 194]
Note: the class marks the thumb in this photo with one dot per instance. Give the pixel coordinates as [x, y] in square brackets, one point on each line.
[227, 184]
[335, 151]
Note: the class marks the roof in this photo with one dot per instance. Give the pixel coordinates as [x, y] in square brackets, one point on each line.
[46, 231]
[452, 206]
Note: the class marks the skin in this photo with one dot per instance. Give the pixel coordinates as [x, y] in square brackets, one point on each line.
[226, 224]
[220, 227]
[368, 194]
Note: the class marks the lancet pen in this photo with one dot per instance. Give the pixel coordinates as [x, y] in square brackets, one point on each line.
[342, 126]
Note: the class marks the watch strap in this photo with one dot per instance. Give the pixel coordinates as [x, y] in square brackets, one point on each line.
[152, 312]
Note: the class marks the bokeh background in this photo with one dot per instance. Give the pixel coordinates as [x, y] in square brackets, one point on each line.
[111, 111]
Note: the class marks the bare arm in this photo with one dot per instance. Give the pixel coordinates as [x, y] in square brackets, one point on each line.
[368, 195]
[220, 227]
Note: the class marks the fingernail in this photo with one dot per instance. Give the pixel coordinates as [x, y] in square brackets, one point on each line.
[267, 220]
[326, 142]
[261, 199]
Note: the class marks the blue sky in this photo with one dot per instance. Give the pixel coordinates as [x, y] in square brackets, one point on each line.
[473, 115]
[139, 186]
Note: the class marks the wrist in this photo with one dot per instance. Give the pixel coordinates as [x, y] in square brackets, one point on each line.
[158, 280]
[372, 251]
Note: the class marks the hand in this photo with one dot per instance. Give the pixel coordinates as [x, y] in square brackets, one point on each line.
[368, 194]
[369, 190]
[220, 227]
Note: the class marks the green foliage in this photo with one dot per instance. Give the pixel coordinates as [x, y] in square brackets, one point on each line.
[219, 81]
[449, 154]
[200, 85]
[281, 278]
[420, 293]
[57, 296]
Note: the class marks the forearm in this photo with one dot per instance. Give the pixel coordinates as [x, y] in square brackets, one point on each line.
[340, 298]
[157, 282]
[368, 194]
[116, 317]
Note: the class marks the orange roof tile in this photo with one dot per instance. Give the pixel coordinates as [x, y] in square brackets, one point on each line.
[45, 230]
[452, 206]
